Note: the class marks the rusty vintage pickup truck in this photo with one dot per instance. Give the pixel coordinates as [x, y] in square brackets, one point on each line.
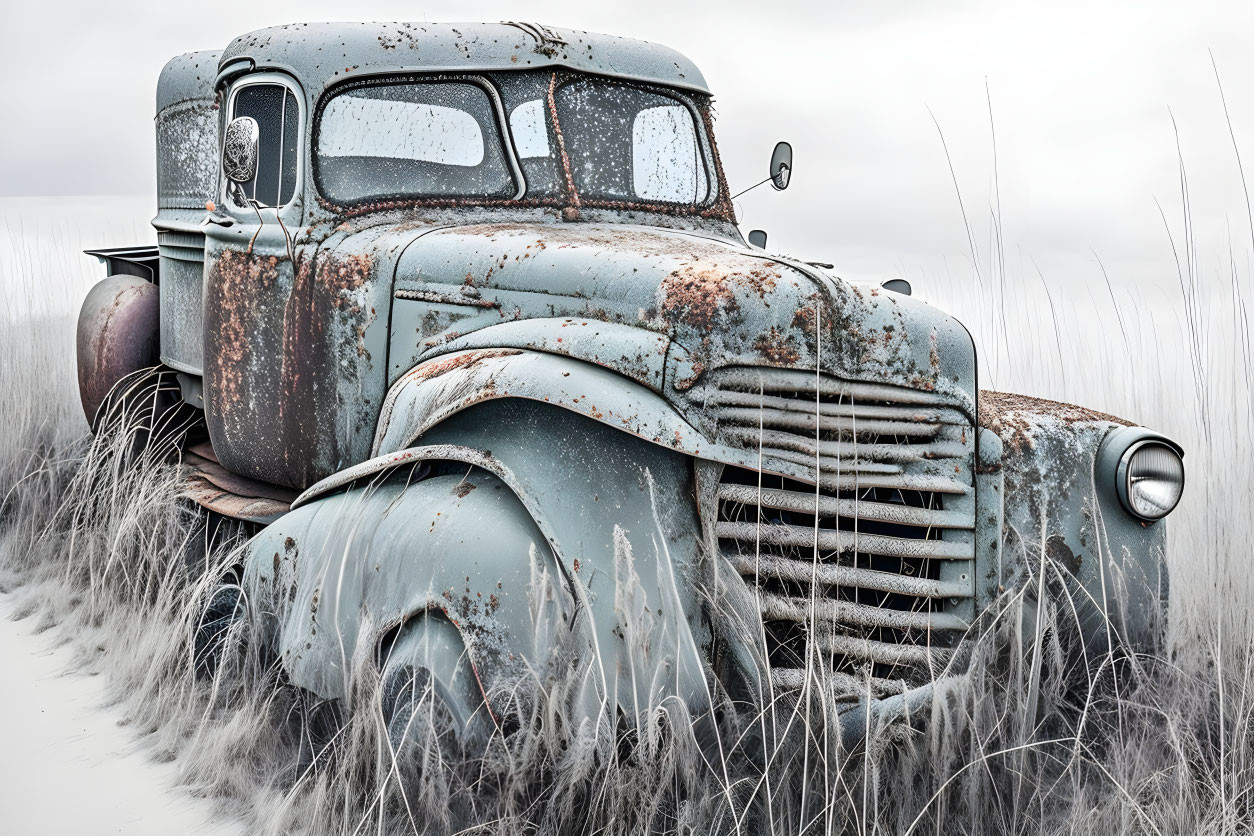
[474, 342]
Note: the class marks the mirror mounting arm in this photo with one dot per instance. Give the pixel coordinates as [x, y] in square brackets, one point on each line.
[781, 170]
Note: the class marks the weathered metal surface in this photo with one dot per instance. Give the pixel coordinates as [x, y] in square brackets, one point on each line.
[338, 572]
[214, 487]
[294, 373]
[187, 131]
[214, 498]
[182, 300]
[334, 52]
[187, 176]
[117, 335]
[882, 552]
[610, 407]
[719, 304]
[433, 391]
[1062, 526]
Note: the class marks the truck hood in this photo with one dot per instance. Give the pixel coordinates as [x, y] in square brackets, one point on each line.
[716, 304]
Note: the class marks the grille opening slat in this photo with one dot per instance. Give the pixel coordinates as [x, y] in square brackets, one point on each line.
[892, 514]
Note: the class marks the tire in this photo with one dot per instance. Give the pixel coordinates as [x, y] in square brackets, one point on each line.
[426, 688]
[415, 714]
[225, 609]
[147, 406]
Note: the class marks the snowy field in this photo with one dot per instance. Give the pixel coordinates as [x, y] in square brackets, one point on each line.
[82, 755]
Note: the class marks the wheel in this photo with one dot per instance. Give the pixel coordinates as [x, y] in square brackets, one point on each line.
[415, 714]
[226, 607]
[429, 694]
[147, 406]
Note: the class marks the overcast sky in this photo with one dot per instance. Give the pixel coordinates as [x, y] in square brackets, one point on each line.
[1082, 98]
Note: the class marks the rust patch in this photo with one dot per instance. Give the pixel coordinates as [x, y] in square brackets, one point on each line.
[339, 277]
[463, 488]
[434, 368]
[761, 280]
[777, 347]
[696, 295]
[1010, 416]
[1000, 407]
[239, 281]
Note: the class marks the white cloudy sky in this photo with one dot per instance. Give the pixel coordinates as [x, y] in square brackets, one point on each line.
[1082, 97]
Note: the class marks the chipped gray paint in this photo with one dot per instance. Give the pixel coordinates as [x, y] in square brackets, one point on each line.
[539, 502]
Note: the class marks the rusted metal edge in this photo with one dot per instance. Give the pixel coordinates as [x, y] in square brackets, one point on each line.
[212, 486]
[252, 509]
[241, 486]
[996, 407]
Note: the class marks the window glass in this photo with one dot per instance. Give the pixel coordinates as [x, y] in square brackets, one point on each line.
[630, 144]
[411, 139]
[525, 96]
[531, 134]
[277, 112]
[666, 163]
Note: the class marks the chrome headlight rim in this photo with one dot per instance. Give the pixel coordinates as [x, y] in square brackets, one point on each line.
[1122, 486]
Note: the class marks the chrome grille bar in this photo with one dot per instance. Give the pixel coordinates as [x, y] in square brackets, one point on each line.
[836, 540]
[850, 452]
[828, 506]
[762, 566]
[863, 572]
[782, 608]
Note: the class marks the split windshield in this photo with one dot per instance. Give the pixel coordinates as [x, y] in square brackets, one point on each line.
[414, 139]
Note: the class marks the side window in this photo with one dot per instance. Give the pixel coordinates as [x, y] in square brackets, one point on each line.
[277, 112]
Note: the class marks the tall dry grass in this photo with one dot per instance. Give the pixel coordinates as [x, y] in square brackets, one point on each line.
[113, 557]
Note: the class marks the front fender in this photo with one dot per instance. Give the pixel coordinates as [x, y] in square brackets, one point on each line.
[614, 516]
[1050, 468]
[433, 391]
[328, 580]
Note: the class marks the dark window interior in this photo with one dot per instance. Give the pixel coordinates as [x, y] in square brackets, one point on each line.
[278, 118]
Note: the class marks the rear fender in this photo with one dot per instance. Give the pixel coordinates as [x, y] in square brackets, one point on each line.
[117, 335]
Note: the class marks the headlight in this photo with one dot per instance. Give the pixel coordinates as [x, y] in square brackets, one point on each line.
[1150, 479]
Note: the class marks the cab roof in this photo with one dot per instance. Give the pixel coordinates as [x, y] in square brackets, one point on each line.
[332, 52]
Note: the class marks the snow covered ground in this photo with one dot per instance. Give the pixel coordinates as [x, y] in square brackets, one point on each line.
[68, 766]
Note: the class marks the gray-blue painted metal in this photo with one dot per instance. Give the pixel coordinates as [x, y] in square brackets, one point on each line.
[334, 52]
[598, 436]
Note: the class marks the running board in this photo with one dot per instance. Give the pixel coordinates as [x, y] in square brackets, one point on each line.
[212, 486]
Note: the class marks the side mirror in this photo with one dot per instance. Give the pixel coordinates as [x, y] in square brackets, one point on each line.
[897, 286]
[239, 149]
[757, 238]
[781, 166]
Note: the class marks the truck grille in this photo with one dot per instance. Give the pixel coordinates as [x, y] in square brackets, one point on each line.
[856, 530]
